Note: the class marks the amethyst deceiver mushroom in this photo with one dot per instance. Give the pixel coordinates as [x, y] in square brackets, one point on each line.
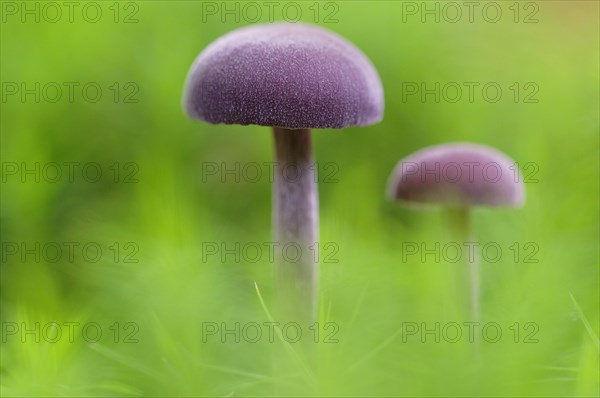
[458, 176]
[292, 77]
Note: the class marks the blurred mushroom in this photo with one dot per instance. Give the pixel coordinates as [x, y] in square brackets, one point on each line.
[458, 176]
[292, 77]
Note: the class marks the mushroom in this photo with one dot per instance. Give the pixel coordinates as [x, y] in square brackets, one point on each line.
[458, 176]
[292, 77]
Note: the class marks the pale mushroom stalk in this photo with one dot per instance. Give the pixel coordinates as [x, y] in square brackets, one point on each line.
[296, 220]
[460, 224]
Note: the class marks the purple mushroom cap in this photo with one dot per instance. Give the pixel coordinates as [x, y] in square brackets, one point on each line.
[288, 75]
[457, 175]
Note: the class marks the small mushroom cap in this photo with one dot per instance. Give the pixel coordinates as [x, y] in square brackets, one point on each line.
[288, 75]
[457, 175]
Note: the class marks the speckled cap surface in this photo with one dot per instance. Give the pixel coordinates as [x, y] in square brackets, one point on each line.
[289, 75]
[457, 174]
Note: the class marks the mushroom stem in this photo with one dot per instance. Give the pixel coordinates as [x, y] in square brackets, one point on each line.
[295, 224]
[461, 222]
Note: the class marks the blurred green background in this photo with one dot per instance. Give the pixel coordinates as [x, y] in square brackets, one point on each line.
[159, 210]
